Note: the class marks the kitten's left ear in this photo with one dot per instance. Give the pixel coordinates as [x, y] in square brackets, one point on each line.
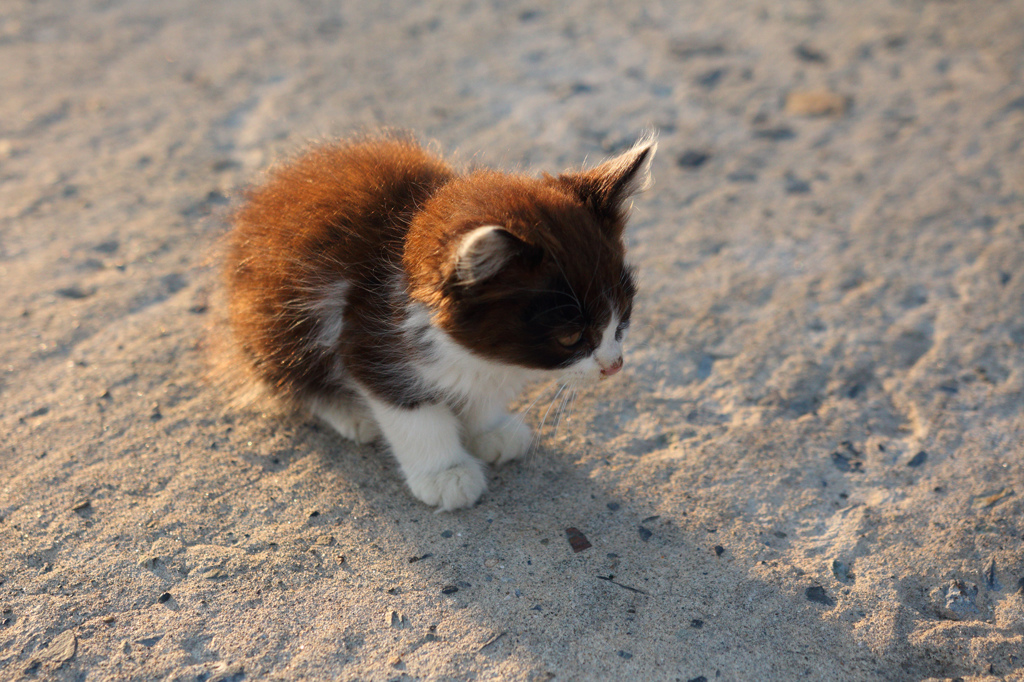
[483, 252]
[605, 187]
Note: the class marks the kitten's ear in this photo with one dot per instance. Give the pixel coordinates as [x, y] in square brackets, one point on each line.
[605, 187]
[483, 252]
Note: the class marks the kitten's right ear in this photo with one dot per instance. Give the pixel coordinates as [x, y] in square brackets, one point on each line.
[606, 187]
[483, 252]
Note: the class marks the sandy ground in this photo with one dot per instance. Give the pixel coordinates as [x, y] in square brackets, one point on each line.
[812, 467]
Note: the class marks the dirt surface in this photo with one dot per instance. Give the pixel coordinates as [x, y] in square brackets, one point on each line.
[811, 467]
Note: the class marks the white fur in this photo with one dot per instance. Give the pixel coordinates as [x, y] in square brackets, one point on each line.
[482, 388]
[425, 441]
[349, 418]
[433, 442]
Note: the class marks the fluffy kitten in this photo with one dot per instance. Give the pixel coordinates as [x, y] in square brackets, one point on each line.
[390, 295]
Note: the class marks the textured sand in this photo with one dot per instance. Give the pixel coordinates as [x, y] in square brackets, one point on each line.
[832, 284]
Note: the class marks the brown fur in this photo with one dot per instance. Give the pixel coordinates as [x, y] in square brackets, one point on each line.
[387, 217]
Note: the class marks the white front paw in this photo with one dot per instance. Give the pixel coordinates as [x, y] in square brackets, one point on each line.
[453, 488]
[509, 440]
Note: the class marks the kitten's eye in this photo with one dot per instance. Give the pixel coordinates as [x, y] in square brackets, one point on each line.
[571, 339]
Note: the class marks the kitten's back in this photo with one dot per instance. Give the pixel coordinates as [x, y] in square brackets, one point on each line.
[338, 214]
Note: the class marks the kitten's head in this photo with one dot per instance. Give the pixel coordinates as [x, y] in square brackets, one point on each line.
[532, 271]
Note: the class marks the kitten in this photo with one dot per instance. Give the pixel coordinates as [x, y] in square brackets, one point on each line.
[390, 295]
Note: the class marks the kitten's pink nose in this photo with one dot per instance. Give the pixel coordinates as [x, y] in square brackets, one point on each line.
[612, 368]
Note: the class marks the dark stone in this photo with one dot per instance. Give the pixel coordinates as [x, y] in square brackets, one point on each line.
[447, 533]
[645, 534]
[719, 550]
[808, 54]
[776, 134]
[711, 78]
[817, 594]
[991, 582]
[841, 571]
[449, 589]
[614, 506]
[625, 654]
[164, 598]
[699, 678]
[795, 185]
[577, 540]
[741, 176]
[74, 292]
[895, 42]
[918, 459]
[692, 158]
[697, 623]
[687, 49]
[844, 463]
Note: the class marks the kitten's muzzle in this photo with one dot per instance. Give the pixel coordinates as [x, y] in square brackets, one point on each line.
[612, 368]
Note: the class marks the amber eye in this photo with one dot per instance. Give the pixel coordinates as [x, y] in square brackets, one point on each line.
[571, 339]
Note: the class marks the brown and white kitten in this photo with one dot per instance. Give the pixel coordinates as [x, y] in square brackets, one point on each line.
[374, 285]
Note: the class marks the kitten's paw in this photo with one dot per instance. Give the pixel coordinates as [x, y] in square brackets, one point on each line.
[350, 421]
[454, 488]
[363, 430]
[509, 440]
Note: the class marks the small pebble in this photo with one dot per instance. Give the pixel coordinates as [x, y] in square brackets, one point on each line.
[795, 185]
[809, 54]
[164, 598]
[697, 623]
[776, 134]
[918, 459]
[692, 158]
[449, 589]
[719, 550]
[614, 506]
[816, 103]
[841, 571]
[625, 654]
[818, 594]
[645, 534]
[577, 540]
